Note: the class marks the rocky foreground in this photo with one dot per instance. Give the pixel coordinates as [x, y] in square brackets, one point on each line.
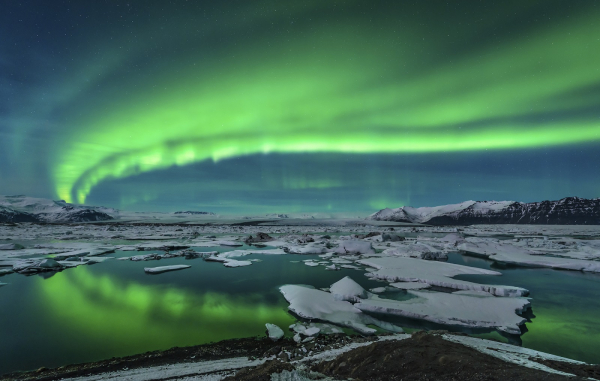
[421, 356]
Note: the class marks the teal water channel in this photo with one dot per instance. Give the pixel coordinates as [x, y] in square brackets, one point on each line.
[566, 306]
[114, 308]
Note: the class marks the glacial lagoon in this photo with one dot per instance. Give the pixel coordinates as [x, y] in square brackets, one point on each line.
[113, 308]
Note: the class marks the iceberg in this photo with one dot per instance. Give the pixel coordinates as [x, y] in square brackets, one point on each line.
[454, 309]
[309, 303]
[520, 256]
[162, 269]
[348, 290]
[274, 332]
[394, 269]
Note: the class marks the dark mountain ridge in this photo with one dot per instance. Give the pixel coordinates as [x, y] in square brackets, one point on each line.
[566, 211]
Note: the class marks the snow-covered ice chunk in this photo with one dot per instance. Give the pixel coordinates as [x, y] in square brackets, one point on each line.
[416, 250]
[146, 257]
[347, 289]
[326, 329]
[40, 265]
[323, 328]
[229, 243]
[340, 261]
[310, 303]
[453, 239]
[274, 332]
[312, 331]
[480, 294]
[298, 327]
[454, 309]
[242, 253]
[519, 256]
[311, 248]
[70, 254]
[227, 262]
[162, 269]
[354, 247]
[234, 263]
[311, 263]
[394, 269]
[410, 285]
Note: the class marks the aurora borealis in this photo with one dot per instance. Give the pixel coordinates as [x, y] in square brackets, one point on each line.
[332, 106]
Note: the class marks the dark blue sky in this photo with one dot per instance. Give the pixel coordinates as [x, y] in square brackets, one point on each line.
[258, 106]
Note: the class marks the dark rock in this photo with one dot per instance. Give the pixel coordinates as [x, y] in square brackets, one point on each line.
[11, 215]
[260, 237]
[392, 237]
[192, 212]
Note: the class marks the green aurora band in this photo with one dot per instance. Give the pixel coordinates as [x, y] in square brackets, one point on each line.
[148, 315]
[340, 88]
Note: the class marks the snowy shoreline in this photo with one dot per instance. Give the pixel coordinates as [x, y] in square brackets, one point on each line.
[217, 361]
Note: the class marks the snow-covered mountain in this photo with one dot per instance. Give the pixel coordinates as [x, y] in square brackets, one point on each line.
[29, 209]
[193, 212]
[11, 215]
[566, 211]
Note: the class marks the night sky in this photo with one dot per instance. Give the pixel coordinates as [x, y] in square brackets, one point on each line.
[299, 106]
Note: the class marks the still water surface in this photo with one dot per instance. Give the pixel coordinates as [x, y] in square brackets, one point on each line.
[114, 309]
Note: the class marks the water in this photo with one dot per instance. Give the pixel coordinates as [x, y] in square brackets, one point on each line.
[114, 309]
[566, 305]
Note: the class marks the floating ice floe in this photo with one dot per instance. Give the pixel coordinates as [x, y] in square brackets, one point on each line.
[519, 256]
[40, 265]
[348, 290]
[242, 253]
[454, 309]
[229, 243]
[411, 285]
[274, 332]
[5, 271]
[234, 263]
[187, 253]
[340, 261]
[436, 274]
[453, 239]
[311, 248]
[145, 257]
[313, 329]
[354, 247]
[311, 263]
[227, 262]
[71, 254]
[310, 303]
[416, 250]
[162, 269]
